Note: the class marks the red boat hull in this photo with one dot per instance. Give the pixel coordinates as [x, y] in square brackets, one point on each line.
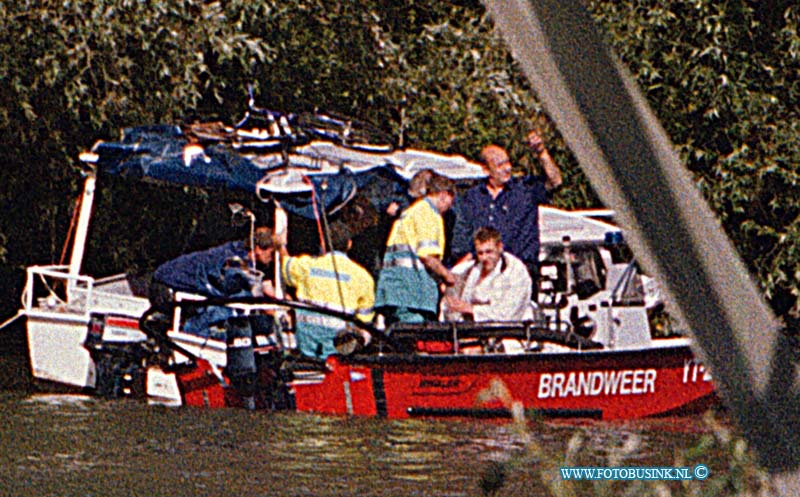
[601, 384]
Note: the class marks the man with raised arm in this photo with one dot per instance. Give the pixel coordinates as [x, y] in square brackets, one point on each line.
[510, 205]
[408, 283]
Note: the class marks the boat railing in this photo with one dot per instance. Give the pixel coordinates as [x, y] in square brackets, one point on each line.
[243, 308]
[459, 337]
[54, 289]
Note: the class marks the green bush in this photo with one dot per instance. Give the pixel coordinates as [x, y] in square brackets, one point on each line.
[722, 77]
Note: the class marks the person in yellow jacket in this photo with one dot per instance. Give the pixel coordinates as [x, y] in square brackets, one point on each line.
[408, 283]
[333, 281]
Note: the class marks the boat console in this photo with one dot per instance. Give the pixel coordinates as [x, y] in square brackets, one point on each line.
[484, 337]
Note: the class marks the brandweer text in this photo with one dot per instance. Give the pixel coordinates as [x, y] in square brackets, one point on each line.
[623, 382]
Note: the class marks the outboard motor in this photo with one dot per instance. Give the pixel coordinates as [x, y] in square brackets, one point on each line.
[120, 352]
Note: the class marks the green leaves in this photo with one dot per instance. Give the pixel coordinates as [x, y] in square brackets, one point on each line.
[724, 78]
[107, 59]
[723, 86]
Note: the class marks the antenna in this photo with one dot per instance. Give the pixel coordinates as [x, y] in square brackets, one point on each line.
[239, 216]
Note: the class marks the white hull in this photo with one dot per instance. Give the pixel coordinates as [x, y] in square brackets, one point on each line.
[55, 344]
[57, 326]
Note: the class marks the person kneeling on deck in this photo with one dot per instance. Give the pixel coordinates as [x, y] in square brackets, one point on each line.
[332, 281]
[226, 271]
[407, 288]
[496, 286]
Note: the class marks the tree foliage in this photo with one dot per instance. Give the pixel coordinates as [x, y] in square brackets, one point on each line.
[722, 76]
[76, 71]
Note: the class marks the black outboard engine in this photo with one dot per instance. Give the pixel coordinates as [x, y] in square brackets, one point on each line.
[241, 360]
[120, 352]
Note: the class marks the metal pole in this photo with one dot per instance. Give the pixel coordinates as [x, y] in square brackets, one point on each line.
[281, 228]
[81, 231]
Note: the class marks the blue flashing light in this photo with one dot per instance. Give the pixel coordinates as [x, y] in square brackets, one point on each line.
[613, 237]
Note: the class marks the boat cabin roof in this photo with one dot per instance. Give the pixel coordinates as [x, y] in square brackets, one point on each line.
[164, 154]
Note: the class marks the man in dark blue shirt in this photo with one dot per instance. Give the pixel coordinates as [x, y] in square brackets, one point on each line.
[509, 205]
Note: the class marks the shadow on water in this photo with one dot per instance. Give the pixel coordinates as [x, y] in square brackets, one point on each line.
[77, 445]
[14, 363]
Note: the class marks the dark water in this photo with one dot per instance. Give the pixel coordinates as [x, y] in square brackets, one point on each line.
[74, 445]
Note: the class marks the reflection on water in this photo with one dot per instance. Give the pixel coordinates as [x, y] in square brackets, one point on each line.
[65, 445]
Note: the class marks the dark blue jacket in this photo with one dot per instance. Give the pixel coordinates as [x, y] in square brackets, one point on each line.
[216, 272]
[514, 213]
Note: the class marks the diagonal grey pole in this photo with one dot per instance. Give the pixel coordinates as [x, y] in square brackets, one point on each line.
[630, 162]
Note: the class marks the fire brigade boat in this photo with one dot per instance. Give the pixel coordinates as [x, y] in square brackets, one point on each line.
[588, 352]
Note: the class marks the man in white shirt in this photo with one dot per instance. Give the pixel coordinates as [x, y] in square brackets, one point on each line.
[497, 286]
